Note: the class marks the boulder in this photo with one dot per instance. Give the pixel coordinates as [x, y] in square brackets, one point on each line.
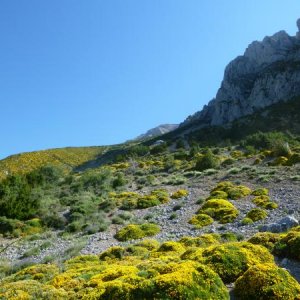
[281, 226]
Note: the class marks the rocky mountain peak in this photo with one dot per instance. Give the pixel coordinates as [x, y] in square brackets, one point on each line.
[157, 131]
[267, 72]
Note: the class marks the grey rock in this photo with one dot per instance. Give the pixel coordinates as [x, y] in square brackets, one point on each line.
[283, 225]
[268, 72]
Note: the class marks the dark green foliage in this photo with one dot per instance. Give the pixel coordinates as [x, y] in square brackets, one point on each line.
[208, 161]
[119, 180]
[159, 149]
[180, 144]
[138, 150]
[44, 175]
[267, 140]
[16, 199]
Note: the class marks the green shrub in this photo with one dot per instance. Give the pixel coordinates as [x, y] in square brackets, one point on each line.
[148, 244]
[218, 195]
[280, 148]
[247, 221]
[231, 260]
[264, 202]
[203, 240]
[201, 220]
[228, 162]
[266, 281]
[260, 192]
[266, 239]
[293, 159]
[289, 245]
[238, 192]
[219, 209]
[17, 200]
[170, 247]
[179, 194]
[147, 201]
[188, 281]
[233, 191]
[256, 214]
[133, 232]
[112, 253]
[207, 161]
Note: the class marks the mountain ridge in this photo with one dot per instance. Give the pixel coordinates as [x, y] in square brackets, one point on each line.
[157, 131]
[267, 72]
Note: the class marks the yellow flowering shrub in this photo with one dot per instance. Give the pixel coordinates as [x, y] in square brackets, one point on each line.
[267, 281]
[29, 290]
[171, 246]
[264, 202]
[260, 192]
[216, 194]
[179, 194]
[148, 244]
[219, 209]
[132, 200]
[201, 220]
[289, 245]
[256, 214]
[233, 191]
[203, 240]
[231, 260]
[41, 273]
[135, 231]
[266, 239]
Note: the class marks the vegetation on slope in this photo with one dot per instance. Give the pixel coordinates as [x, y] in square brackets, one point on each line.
[67, 158]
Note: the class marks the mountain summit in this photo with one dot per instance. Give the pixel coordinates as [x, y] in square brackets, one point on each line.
[268, 72]
[157, 131]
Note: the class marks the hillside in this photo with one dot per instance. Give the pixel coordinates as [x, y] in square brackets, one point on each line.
[212, 211]
[67, 158]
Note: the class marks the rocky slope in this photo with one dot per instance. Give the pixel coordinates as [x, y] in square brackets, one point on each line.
[268, 72]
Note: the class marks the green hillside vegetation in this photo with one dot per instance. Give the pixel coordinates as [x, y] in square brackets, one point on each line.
[67, 158]
[92, 199]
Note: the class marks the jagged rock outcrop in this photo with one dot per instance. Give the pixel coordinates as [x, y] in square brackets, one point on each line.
[268, 72]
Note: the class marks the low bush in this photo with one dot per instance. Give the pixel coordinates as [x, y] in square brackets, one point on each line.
[133, 232]
[256, 214]
[171, 247]
[207, 161]
[201, 220]
[264, 202]
[233, 191]
[289, 245]
[179, 194]
[266, 281]
[260, 192]
[231, 260]
[266, 239]
[220, 210]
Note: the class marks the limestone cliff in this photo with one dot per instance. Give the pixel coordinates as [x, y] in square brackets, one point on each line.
[268, 72]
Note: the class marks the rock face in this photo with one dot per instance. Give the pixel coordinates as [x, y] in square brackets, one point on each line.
[159, 130]
[268, 72]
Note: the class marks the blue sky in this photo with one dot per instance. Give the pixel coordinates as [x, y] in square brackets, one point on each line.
[96, 72]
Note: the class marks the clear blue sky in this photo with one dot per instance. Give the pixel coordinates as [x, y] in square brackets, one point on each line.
[97, 72]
